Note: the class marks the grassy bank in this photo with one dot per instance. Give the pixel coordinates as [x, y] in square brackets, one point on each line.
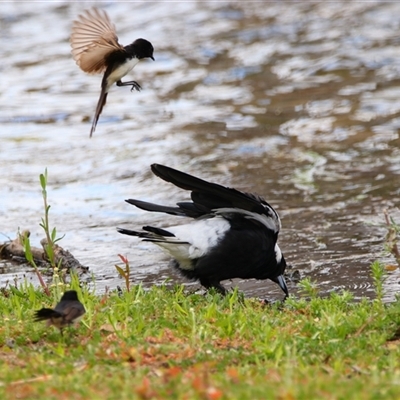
[163, 343]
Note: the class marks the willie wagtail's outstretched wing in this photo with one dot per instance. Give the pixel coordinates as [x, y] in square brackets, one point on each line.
[93, 38]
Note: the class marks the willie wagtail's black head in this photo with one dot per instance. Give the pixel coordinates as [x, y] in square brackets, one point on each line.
[69, 295]
[142, 49]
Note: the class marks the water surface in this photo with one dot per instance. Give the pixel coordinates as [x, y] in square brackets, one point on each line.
[299, 103]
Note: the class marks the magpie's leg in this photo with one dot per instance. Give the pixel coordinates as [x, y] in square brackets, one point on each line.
[134, 85]
[208, 284]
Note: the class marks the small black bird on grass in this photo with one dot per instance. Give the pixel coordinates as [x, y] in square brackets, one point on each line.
[67, 311]
[95, 49]
[233, 235]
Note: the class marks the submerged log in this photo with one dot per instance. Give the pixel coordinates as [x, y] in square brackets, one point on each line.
[14, 250]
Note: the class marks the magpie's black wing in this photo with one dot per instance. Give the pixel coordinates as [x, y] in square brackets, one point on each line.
[210, 195]
[144, 205]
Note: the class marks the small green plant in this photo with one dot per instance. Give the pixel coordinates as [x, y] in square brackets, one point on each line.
[392, 237]
[378, 275]
[51, 234]
[49, 246]
[24, 238]
[124, 272]
[308, 287]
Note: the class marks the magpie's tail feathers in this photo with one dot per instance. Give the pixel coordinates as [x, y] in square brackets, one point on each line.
[144, 205]
[153, 234]
[143, 235]
[206, 193]
[46, 313]
[158, 231]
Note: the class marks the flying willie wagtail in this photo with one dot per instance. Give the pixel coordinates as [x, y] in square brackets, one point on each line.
[67, 311]
[233, 235]
[95, 49]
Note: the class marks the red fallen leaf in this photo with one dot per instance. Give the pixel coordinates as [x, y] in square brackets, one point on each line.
[391, 267]
[21, 391]
[198, 384]
[144, 391]
[213, 393]
[152, 340]
[107, 328]
[173, 371]
[274, 376]
[393, 344]
[233, 374]
[286, 396]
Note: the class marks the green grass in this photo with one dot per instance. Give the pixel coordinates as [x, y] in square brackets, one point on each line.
[162, 343]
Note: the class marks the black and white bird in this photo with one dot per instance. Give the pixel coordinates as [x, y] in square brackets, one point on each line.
[233, 234]
[95, 49]
[67, 311]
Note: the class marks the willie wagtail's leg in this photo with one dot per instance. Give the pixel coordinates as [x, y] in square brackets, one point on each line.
[134, 85]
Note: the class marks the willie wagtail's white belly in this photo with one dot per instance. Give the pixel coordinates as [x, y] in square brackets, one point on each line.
[121, 71]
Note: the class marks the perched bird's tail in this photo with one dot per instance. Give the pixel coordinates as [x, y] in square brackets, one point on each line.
[46, 313]
[99, 109]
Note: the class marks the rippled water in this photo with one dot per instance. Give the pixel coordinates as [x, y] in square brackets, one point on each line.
[299, 103]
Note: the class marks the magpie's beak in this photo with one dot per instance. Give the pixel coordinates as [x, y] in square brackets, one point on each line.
[280, 280]
[152, 58]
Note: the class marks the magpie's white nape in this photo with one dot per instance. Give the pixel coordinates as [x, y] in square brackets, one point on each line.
[233, 234]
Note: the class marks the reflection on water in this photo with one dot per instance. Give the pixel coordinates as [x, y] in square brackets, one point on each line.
[299, 104]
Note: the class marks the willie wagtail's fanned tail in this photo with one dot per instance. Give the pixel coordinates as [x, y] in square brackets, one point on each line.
[99, 109]
[45, 314]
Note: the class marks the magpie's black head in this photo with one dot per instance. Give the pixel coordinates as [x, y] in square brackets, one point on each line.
[142, 49]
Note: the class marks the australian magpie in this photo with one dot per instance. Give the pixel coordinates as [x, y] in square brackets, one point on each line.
[233, 234]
